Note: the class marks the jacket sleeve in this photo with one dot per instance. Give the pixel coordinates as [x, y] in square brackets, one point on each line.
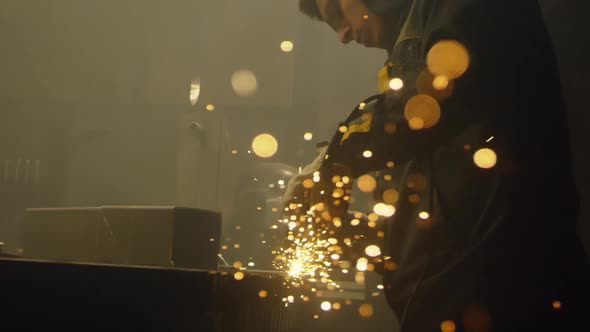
[477, 95]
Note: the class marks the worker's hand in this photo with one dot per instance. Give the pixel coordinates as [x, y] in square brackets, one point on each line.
[330, 197]
[296, 192]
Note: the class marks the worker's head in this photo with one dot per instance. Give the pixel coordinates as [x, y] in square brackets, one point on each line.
[368, 22]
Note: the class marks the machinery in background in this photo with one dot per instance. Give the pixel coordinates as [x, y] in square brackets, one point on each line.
[163, 236]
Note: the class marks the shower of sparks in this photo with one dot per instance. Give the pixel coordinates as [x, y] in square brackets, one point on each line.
[317, 248]
[314, 252]
[309, 255]
[305, 258]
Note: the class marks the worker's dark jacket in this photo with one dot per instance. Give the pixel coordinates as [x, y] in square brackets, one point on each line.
[498, 243]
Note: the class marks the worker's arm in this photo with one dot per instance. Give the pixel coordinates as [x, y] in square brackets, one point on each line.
[418, 118]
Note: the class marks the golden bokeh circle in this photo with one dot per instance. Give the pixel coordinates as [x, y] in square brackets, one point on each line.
[337, 222]
[425, 84]
[440, 82]
[416, 123]
[265, 145]
[308, 183]
[424, 108]
[414, 198]
[485, 158]
[338, 192]
[366, 310]
[385, 210]
[373, 250]
[447, 326]
[449, 58]
[373, 217]
[396, 84]
[244, 83]
[366, 183]
[287, 46]
[390, 196]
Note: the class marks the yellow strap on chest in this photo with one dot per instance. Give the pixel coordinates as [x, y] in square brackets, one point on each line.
[364, 126]
[383, 78]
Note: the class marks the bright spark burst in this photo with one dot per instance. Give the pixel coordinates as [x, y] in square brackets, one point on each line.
[314, 253]
[307, 257]
[301, 260]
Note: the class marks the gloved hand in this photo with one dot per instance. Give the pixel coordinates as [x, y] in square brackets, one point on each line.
[296, 193]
